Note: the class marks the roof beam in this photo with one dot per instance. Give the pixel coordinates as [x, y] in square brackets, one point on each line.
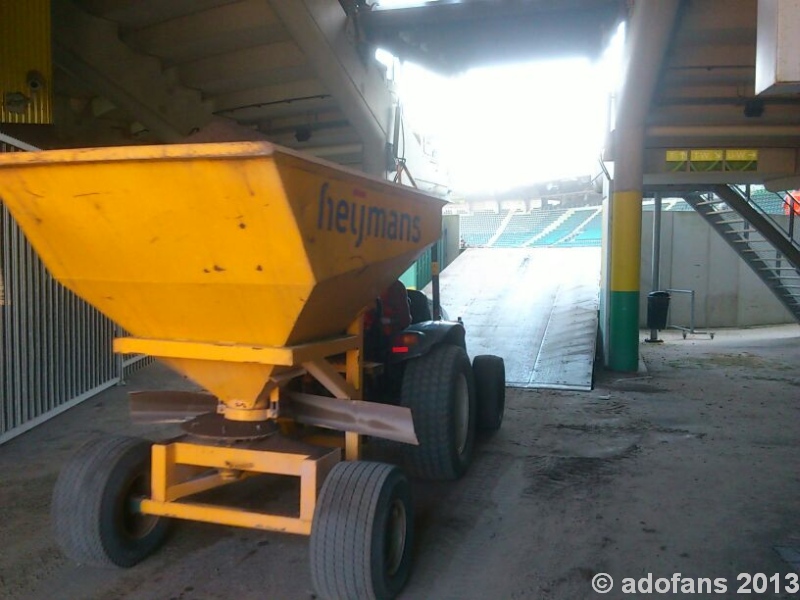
[210, 32]
[323, 119]
[451, 37]
[775, 164]
[238, 70]
[730, 112]
[141, 13]
[702, 55]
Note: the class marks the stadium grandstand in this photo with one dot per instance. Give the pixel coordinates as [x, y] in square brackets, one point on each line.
[538, 223]
[561, 213]
[555, 227]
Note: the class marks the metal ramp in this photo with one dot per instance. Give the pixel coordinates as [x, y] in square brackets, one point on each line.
[535, 307]
[770, 251]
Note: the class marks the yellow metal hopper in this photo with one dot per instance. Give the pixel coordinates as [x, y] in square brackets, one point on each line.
[245, 267]
[217, 257]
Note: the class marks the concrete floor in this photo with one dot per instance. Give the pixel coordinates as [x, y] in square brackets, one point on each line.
[692, 468]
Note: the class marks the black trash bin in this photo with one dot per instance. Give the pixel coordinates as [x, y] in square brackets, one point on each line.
[657, 309]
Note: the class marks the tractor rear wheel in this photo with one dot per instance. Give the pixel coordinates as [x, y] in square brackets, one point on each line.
[94, 509]
[439, 389]
[362, 536]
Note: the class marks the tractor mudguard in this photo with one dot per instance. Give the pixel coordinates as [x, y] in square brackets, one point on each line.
[419, 338]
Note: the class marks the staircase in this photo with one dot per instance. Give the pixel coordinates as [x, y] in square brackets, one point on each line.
[758, 240]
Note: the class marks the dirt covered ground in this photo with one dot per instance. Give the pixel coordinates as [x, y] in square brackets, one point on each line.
[690, 468]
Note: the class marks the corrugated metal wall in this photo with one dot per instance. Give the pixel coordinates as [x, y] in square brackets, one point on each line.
[26, 69]
[55, 350]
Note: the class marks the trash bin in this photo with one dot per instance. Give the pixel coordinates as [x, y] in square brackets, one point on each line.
[657, 309]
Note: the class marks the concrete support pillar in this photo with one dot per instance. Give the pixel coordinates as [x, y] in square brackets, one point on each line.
[649, 32]
[626, 243]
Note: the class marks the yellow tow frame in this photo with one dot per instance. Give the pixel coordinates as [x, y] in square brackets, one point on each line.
[233, 464]
[180, 469]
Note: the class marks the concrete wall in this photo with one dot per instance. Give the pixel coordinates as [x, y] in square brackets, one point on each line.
[694, 256]
[451, 237]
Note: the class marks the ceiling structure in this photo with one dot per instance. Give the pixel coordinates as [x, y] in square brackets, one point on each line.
[303, 73]
[704, 94]
[149, 71]
[300, 73]
[705, 98]
[452, 36]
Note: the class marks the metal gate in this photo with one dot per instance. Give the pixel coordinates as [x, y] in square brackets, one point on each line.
[55, 350]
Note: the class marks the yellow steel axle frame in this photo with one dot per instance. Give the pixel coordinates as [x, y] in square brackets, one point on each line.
[231, 465]
[180, 469]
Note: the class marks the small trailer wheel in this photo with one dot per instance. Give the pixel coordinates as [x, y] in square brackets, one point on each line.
[94, 512]
[439, 388]
[362, 535]
[490, 386]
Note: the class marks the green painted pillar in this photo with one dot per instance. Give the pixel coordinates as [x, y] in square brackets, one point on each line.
[648, 35]
[623, 298]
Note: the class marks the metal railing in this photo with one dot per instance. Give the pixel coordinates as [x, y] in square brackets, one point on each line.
[788, 229]
[691, 328]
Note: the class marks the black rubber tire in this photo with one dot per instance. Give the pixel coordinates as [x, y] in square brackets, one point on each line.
[490, 387]
[420, 306]
[353, 554]
[92, 512]
[431, 387]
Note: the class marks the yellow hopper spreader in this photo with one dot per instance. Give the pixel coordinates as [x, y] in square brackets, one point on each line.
[245, 267]
[214, 255]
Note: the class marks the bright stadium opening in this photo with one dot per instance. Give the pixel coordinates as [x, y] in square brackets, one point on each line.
[502, 127]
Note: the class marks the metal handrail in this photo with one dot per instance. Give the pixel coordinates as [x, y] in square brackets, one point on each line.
[12, 141]
[769, 216]
[739, 202]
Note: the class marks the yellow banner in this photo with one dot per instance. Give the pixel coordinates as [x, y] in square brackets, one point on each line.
[742, 155]
[677, 155]
[706, 155]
